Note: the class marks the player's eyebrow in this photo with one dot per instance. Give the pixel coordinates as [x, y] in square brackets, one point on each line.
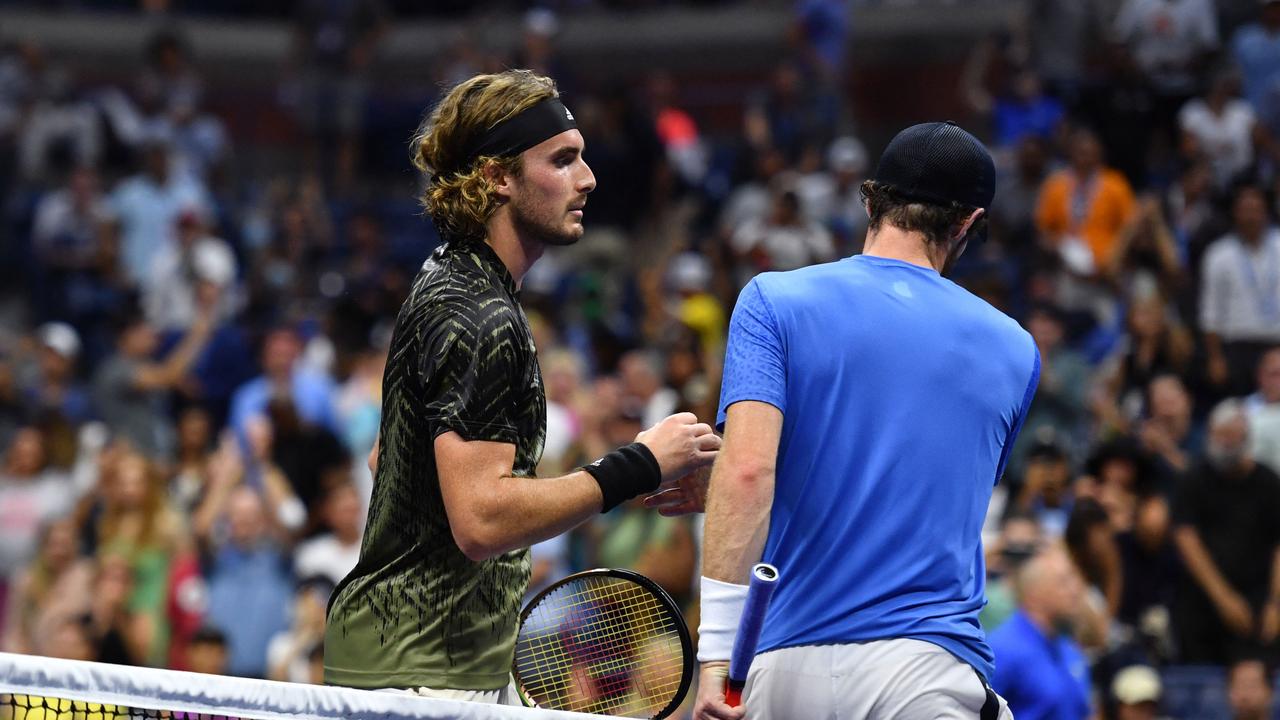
[568, 152]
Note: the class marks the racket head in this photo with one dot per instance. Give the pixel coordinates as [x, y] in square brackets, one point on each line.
[605, 641]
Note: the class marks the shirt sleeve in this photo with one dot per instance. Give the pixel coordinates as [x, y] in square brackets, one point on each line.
[1213, 287]
[755, 366]
[467, 369]
[1021, 418]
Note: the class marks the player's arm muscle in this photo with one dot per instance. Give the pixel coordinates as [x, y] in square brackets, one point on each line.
[741, 493]
[491, 512]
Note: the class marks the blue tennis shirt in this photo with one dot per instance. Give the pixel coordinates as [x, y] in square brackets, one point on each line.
[901, 395]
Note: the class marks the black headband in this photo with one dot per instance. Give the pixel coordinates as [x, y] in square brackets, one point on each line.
[515, 135]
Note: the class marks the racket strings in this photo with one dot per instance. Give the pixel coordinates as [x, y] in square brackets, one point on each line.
[601, 644]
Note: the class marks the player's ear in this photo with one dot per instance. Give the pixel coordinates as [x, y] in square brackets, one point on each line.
[498, 176]
[969, 222]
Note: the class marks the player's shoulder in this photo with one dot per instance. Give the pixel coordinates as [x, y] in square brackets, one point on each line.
[454, 295]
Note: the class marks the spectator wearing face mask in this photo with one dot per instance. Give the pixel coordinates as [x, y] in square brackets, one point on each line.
[1227, 535]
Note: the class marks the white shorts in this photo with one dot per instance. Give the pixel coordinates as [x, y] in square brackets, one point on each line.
[883, 680]
[502, 696]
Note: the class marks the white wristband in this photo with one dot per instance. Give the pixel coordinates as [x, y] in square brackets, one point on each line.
[721, 612]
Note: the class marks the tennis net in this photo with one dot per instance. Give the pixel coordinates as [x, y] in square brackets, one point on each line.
[38, 688]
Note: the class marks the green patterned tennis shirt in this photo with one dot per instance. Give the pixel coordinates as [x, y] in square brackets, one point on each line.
[416, 612]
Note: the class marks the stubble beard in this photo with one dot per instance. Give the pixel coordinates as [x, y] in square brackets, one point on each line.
[540, 224]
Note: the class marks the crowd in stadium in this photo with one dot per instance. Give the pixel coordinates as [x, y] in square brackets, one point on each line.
[190, 361]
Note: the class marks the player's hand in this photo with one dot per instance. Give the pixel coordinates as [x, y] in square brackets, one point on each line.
[681, 445]
[710, 704]
[687, 495]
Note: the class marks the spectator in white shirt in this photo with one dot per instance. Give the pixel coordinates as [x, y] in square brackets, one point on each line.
[1240, 294]
[1169, 39]
[1220, 127]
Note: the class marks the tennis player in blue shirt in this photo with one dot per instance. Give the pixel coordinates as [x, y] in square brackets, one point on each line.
[868, 408]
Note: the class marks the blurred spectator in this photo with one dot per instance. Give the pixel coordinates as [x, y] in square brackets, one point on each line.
[1151, 571]
[1124, 109]
[1018, 187]
[148, 206]
[1083, 207]
[1167, 432]
[1263, 407]
[208, 652]
[359, 401]
[1137, 690]
[283, 376]
[1155, 345]
[131, 389]
[55, 391]
[69, 639]
[1170, 39]
[171, 94]
[249, 583]
[783, 240]
[197, 270]
[1256, 50]
[138, 526]
[333, 50]
[333, 553]
[194, 443]
[64, 237]
[1042, 672]
[307, 456]
[55, 586]
[1058, 35]
[1190, 207]
[1091, 542]
[1225, 530]
[1045, 493]
[1220, 127]
[686, 151]
[30, 495]
[788, 114]
[694, 306]
[1019, 540]
[289, 652]
[116, 630]
[58, 130]
[642, 384]
[1060, 401]
[1146, 260]
[845, 215]
[1240, 294]
[1250, 684]
[820, 33]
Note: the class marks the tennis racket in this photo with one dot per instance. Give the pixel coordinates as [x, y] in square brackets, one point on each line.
[608, 642]
[764, 578]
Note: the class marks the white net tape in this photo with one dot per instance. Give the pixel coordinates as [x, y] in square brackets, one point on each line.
[38, 688]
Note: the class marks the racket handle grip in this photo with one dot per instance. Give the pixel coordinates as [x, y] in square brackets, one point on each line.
[733, 692]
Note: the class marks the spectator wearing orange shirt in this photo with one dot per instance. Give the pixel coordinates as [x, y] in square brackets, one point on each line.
[1084, 206]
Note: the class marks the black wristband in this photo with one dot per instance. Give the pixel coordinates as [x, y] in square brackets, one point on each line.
[629, 471]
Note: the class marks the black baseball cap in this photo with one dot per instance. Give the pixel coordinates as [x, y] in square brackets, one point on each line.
[939, 163]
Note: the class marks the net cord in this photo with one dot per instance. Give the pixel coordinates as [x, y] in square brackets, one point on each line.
[178, 691]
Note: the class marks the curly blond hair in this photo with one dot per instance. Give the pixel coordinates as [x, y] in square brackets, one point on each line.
[458, 196]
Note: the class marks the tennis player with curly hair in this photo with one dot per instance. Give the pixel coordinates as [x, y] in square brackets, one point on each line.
[432, 607]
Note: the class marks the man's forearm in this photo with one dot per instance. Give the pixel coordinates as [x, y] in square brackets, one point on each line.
[1200, 565]
[738, 505]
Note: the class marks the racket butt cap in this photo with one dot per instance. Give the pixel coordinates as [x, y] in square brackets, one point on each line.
[733, 692]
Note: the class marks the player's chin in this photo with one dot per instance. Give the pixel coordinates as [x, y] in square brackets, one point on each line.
[568, 235]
